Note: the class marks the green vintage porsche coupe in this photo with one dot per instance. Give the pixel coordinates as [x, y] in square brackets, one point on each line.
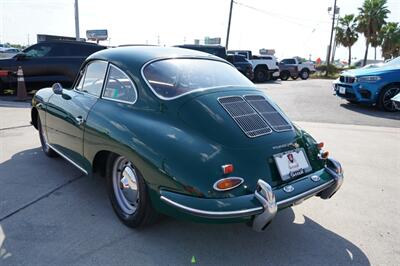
[182, 133]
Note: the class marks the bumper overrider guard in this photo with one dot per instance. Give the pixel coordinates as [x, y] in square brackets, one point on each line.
[263, 215]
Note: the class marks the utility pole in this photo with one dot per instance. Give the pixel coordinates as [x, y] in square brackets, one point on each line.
[330, 42]
[77, 21]
[229, 25]
[334, 41]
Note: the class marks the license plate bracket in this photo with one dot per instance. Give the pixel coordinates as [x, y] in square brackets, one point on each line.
[292, 163]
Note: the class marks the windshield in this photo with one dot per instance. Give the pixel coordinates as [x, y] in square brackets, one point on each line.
[172, 78]
[393, 62]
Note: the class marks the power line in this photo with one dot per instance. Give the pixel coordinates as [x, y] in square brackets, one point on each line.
[290, 19]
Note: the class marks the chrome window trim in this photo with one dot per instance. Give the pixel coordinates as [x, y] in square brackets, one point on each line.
[68, 159]
[102, 87]
[105, 85]
[189, 92]
[278, 110]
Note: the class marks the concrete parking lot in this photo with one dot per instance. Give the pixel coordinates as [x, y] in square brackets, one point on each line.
[52, 214]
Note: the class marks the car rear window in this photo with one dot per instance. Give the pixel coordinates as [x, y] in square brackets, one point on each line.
[171, 78]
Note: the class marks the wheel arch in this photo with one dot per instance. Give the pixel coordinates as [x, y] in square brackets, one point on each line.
[34, 117]
[261, 67]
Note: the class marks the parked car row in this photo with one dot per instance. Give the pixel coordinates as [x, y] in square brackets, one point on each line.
[58, 61]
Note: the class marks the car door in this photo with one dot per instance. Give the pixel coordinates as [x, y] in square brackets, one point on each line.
[67, 112]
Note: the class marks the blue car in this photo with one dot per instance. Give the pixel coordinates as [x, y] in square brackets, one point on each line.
[371, 85]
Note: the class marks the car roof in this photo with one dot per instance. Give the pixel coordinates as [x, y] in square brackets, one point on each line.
[70, 42]
[136, 56]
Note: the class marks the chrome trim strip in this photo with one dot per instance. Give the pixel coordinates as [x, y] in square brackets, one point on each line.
[68, 159]
[214, 214]
[306, 193]
[212, 58]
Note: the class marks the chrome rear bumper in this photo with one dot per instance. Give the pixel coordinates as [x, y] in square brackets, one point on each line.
[261, 215]
[266, 196]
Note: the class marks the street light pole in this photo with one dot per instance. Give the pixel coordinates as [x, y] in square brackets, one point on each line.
[77, 21]
[330, 42]
[229, 26]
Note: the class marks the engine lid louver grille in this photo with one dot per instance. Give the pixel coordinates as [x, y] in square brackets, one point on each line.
[254, 115]
[245, 116]
[269, 113]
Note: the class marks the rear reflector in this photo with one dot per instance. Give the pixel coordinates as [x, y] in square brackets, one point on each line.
[227, 169]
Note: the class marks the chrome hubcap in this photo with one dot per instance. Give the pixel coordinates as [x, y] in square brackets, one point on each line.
[125, 184]
[387, 98]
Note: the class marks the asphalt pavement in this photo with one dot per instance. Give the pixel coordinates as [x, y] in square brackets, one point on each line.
[51, 214]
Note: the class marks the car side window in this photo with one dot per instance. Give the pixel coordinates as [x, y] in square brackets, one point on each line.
[119, 87]
[94, 78]
[38, 51]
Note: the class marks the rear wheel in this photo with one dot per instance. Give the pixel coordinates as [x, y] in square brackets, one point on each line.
[304, 74]
[128, 192]
[261, 75]
[284, 75]
[43, 140]
[385, 98]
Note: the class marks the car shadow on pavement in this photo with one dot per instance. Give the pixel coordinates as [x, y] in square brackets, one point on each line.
[76, 225]
[369, 110]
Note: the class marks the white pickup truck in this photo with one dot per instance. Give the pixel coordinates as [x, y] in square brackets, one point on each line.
[265, 67]
[292, 67]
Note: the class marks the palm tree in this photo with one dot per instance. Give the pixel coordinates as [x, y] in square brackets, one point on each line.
[390, 36]
[373, 14]
[346, 34]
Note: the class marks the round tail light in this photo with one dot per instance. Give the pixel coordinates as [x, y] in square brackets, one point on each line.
[228, 183]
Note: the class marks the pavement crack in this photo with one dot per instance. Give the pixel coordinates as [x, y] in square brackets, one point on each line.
[41, 197]
[9, 128]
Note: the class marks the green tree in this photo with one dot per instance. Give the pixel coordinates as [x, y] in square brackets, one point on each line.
[346, 34]
[390, 36]
[372, 17]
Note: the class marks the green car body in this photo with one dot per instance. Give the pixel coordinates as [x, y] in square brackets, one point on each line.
[179, 144]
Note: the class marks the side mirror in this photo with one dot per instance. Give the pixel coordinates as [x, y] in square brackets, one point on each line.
[57, 88]
[20, 56]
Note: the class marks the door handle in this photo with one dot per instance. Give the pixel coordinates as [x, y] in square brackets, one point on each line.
[79, 120]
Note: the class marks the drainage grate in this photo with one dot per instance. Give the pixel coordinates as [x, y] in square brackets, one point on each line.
[268, 112]
[245, 117]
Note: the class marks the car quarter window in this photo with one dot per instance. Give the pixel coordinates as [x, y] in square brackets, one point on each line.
[94, 77]
[119, 86]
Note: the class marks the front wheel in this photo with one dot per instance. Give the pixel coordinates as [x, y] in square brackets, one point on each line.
[43, 140]
[385, 98]
[128, 192]
[304, 74]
